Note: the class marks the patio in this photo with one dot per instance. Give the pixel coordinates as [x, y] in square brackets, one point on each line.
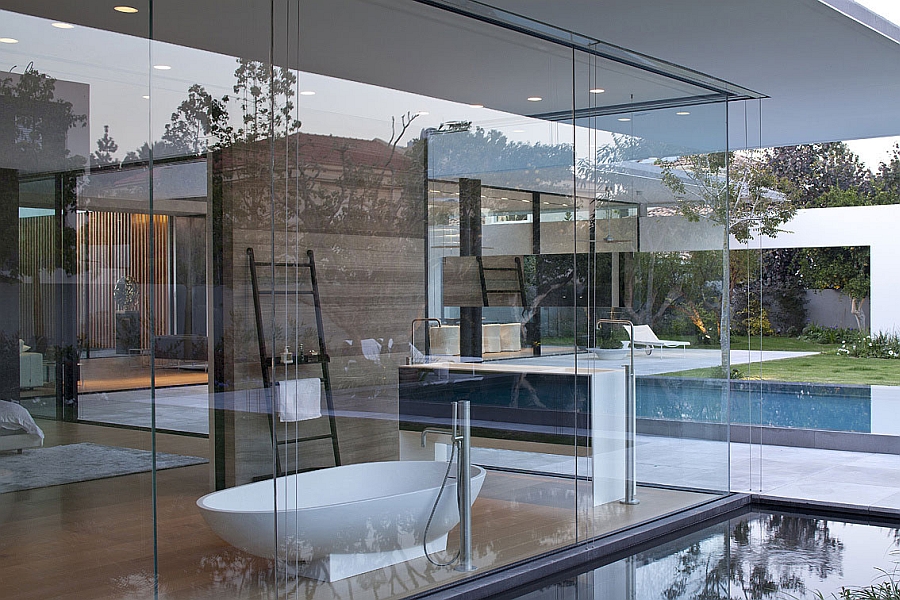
[855, 478]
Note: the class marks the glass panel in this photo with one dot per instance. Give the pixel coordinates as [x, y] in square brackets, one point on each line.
[678, 163]
[212, 200]
[811, 305]
[77, 303]
[235, 264]
[646, 261]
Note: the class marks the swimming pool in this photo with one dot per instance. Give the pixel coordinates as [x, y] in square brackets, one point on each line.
[762, 403]
[757, 555]
[537, 400]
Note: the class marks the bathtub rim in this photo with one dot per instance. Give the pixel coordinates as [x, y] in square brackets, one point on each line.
[477, 472]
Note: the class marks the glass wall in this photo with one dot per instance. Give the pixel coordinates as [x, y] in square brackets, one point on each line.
[814, 328]
[272, 293]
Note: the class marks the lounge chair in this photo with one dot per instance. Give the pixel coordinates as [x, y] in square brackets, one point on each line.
[645, 338]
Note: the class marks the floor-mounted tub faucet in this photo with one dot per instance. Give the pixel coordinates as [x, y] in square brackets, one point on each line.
[460, 434]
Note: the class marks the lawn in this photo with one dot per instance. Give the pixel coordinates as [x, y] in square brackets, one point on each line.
[792, 344]
[821, 368]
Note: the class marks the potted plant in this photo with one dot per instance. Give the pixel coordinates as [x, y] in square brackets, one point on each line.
[610, 342]
[128, 320]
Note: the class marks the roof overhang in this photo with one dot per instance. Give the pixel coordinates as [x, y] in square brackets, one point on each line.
[830, 69]
[825, 71]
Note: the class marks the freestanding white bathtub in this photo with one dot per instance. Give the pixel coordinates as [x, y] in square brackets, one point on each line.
[339, 522]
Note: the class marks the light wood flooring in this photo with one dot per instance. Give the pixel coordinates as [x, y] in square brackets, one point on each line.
[95, 539]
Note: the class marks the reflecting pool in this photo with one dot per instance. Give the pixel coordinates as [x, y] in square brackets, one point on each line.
[757, 555]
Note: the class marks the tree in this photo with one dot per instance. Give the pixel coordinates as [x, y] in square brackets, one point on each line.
[887, 181]
[106, 148]
[768, 292]
[842, 269]
[655, 282]
[817, 168]
[37, 141]
[493, 158]
[200, 122]
[830, 175]
[739, 194]
[266, 95]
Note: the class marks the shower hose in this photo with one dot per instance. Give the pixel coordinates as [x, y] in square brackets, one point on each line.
[434, 508]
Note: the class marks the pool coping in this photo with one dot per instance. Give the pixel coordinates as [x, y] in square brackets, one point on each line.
[576, 558]
[819, 439]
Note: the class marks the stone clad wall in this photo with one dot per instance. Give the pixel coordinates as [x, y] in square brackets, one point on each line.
[371, 284]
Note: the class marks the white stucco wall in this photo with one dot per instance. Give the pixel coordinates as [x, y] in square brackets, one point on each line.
[875, 226]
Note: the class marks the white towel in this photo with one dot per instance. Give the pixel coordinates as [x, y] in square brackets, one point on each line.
[299, 400]
[371, 349]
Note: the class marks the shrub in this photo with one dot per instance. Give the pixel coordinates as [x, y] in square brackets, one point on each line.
[757, 321]
[881, 345]
[828, 335]
[886, 589]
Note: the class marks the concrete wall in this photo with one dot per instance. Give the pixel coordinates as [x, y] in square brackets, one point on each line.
[873, 226]
[831, 308]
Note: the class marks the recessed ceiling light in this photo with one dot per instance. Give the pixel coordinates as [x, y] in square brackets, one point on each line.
[504, 198]
[597, 90]
[624, 119]
[9, 41]
[518, 131]
[307, 93]
[422, 113]
[129, 10]
[534, 98]
[476, 106]
[63, 25]
[162, 67]
[682, 113]
[145, 97]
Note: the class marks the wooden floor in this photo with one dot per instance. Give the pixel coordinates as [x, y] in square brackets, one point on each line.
[95, 539]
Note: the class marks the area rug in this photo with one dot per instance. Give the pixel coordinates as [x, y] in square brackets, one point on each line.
[58, 465]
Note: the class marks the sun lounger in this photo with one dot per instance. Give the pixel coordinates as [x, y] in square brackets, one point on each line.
[645, 338]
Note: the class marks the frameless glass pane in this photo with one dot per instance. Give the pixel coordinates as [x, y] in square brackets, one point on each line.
[279, 261]
[76, 490]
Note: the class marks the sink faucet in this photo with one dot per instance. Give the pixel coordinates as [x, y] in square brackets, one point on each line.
[412, 333]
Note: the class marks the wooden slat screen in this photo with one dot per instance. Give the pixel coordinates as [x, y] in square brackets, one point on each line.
[109, 246]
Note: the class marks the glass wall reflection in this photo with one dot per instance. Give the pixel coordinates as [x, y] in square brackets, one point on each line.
[74, 490]
[266, 271]
[758, 555]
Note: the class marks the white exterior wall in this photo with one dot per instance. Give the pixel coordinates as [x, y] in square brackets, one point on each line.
[875, 226]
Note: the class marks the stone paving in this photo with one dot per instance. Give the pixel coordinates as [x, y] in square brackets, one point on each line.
[857, 478]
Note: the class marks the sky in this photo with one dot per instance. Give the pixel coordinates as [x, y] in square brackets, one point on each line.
[875, 151]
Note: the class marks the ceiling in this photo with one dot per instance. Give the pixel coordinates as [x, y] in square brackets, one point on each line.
[825, 75]
[830, 69]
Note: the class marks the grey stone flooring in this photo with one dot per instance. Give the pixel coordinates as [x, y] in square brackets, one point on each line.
[667, 361]
[856, 478]
[853, 478]
[177, 408]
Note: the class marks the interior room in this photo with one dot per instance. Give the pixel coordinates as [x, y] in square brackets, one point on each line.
[263, 280]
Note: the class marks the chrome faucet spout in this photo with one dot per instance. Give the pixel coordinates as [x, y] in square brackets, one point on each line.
[412, 333]
[437, 431]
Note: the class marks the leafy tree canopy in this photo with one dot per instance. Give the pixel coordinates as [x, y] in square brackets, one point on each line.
[814, 169]
[736, 191]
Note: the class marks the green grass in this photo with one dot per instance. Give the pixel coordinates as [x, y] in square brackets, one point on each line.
[821, 368]
[792, 344]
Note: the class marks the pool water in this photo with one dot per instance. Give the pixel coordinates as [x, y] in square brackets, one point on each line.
[755, 556]
[774, 404]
